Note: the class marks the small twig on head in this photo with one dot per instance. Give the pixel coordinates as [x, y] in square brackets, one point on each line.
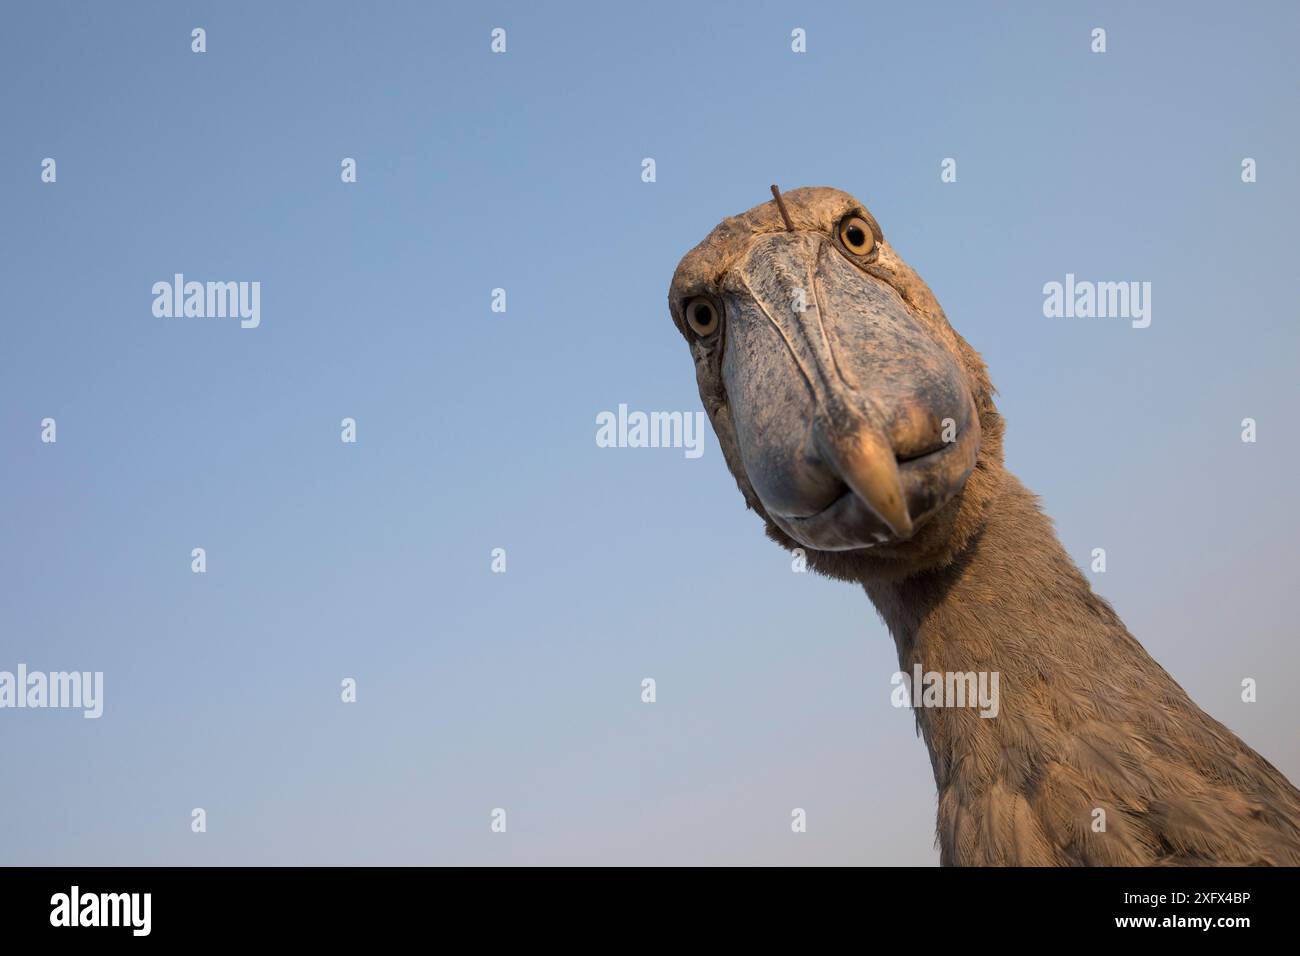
[780, 204]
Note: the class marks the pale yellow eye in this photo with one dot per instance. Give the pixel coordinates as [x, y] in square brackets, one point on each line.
[856, 235]
[702, 316]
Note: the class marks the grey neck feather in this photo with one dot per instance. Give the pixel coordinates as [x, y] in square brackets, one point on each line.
[1086, 720]
[1014, 604]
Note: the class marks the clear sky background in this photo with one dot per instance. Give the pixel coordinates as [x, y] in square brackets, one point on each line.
[476, 430]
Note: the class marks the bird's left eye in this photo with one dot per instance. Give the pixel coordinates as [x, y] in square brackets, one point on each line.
[702, 316]
[856, 235]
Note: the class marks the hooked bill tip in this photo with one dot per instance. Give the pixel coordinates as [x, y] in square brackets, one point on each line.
[868, 466]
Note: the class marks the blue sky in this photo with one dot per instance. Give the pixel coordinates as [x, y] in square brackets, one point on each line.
[476, 430]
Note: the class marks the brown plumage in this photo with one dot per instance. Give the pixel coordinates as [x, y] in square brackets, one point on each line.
[862, 428]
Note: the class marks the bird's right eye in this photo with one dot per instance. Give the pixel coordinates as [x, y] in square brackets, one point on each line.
[702, 316]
